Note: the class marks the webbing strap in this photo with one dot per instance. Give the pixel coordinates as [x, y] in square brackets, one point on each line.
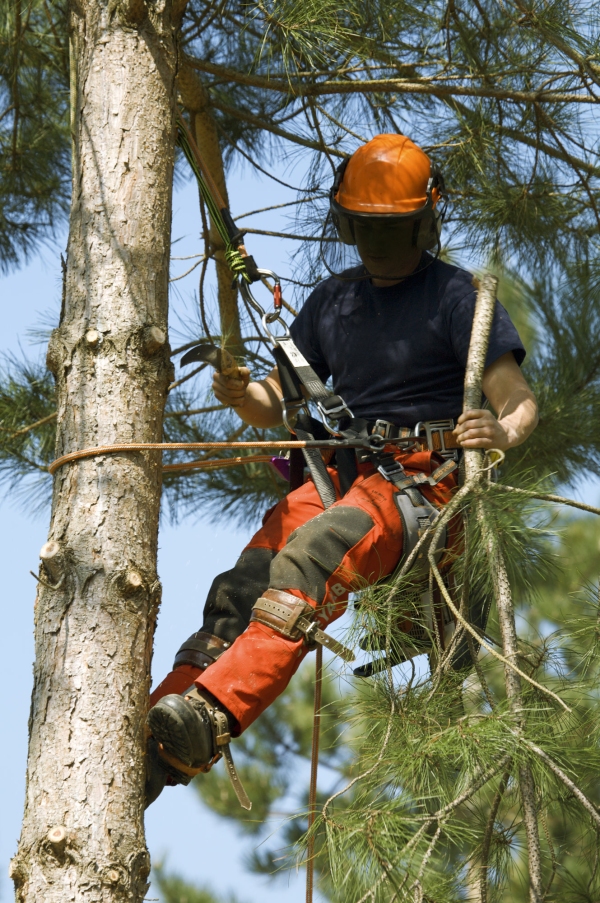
[318, 471]
[221, 737]
[305, 373]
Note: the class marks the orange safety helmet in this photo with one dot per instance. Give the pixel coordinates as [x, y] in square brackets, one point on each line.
[389, 179]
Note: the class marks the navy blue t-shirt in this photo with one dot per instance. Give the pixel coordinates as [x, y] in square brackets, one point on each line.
[398, 353]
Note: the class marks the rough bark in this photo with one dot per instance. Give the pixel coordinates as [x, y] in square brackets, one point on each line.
[197, 102]
[83, 837]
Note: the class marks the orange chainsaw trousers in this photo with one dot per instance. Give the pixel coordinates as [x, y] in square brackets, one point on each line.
[320, 556]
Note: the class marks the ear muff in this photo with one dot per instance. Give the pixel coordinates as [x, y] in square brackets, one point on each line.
[427, 231]
[343, 224]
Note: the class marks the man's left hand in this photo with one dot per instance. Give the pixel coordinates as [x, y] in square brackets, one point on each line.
[480, 429]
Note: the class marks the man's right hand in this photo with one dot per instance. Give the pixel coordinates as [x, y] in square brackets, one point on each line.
[231, 392]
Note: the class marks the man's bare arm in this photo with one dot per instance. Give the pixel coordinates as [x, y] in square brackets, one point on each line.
[509, 395]
[257, 403]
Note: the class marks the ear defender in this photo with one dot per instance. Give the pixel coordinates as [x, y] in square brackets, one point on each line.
[343, 224]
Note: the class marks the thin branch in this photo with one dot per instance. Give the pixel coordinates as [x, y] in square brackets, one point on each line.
[264, 125]
[487, 837]
[184, 379]
[32, 426]
[560, 774]
[427, 86]
[546, 497]
[193, 411]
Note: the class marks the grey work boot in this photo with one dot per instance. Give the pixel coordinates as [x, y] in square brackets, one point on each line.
[191, 733]
[183, 728]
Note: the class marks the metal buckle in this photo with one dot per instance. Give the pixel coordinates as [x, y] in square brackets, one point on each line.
[390, 468]
[383, 428]
[341, 410]
[290, 414]
[439, 427]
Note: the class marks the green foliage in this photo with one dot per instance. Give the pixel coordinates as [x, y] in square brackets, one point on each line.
[27, 398]
[34, 130]
[175, 890]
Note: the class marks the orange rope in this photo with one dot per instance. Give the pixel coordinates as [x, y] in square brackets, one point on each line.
[216, 463]
[314, 764]
[167, 446]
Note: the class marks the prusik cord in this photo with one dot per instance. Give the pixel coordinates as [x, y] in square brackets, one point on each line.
[167, 446]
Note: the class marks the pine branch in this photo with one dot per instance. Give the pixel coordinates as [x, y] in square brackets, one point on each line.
[424, 86]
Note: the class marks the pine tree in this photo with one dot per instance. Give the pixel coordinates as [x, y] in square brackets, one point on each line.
[98, 590]
[501, 95]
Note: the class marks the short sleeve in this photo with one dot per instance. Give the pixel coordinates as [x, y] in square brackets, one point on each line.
[304, 332]
[503, 336]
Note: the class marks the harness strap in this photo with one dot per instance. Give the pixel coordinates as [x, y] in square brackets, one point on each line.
[221, 738]
[295, 619]
[416, 512]
[201, 649]
[316, 466]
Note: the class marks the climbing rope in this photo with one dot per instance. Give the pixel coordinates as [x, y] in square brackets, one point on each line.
[217, 208]
[282, 445]
[314, 766]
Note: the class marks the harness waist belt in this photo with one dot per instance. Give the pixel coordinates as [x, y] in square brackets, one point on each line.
[295, 619]
[437, 435]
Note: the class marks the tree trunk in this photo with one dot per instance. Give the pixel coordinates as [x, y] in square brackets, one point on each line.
[83, 836]
[204, 128]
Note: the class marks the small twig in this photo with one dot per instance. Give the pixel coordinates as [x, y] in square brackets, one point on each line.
[487, 837]
[193, 411]
[32, 426]
[546, 497]
[560, 774]
[187, 272]
[184, 379]
[45, 582]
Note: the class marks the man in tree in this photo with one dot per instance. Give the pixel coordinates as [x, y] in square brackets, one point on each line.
[394, 335]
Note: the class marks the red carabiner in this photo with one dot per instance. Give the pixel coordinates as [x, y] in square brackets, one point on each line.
[277, 299]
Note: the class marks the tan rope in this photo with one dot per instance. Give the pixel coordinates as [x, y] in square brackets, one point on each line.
[167, 446]
[314, 765]
[216, 463]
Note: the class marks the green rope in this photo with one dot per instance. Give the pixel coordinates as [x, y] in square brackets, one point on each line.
[233, 257]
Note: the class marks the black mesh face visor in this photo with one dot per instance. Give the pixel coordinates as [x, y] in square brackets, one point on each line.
[421, 228]
[381, 236]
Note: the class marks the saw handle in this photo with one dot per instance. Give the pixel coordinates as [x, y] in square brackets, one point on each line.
[229, 368]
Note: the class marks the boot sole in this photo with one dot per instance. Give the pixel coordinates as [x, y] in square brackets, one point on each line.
[181, 730]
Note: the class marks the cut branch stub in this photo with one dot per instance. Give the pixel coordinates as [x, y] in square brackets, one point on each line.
[92, 338]
[131, 582]
[53, 559]
[57, 837]
[153, 340]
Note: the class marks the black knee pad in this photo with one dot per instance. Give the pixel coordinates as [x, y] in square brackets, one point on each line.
[233, 593]
[316, 549]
